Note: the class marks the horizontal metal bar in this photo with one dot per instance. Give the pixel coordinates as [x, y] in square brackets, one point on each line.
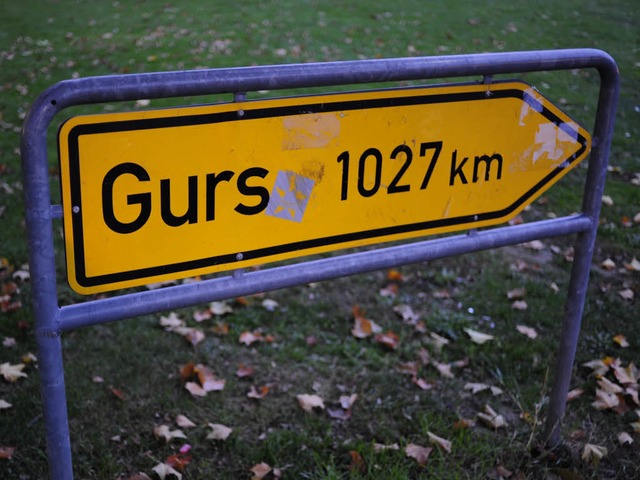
[169, 298]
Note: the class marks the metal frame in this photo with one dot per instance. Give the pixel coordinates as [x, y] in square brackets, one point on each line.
[51, 319]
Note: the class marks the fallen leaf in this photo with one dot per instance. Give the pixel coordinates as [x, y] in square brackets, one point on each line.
[164, 432]
[389, 339]
[422, 384]
[621, 340]
[553, 286]
[244, 371]
[593, 453]
[249, 338]
[363, 328]
[627, 375]
[599, 367]
[444, 369]
[219, 432]
[441, 442]
[171, 322]
[220, 308]
[4, 404]
[634, 265]
[437, 341]
[269, 304]
[208, 380]
[178, 461]
[258, 393]
[139, 476]
[575, 393]
[463, 424]
[309, 402]
[195, 389]
[409, 368]
[608, 386]
[516, 294]
[604, 400]
[202, 315]
[626, 294]
[528, 331]
[220, 328]
[7, 452]
[260, 471]
[12, 373]
[407, 314]
[163, 470]
[478, 337]
[608, 264]
[347, 401]
[491, 418]
[624, 438]
[357, 464]
[419, 453]
[475, 387]
[9, 342]
[395, 276]
[607, 200]
[535, 245]
[519, 305]
[379, 447]
[184, 422]
[390, 290]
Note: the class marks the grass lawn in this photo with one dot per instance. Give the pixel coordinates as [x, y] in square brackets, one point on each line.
[381, 405]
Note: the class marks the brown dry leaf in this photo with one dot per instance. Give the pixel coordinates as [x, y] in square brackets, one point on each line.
[219, 432]
[621, 340]
[260, 471]
[608, 264]
[12, 373]
[409, 368]
[634, 265]
[388, 339]
[244, 371]
[309, 402]
[441, 442]
[516, 294]
[347, 401]
[208, 380]
[163, 431]
[201, 315]
[390, 290]
[6, 452]
[220, 328]
[478, 337]
[626, 294]
[528, 331]
[194, 336]
[357, 464]
[491, 418]
[604, 400]
[395, 276]
[624, 438]
[163, 470]
[593, 453]
[519, 305]
[419, 453]
[258, 393]
[575, 393]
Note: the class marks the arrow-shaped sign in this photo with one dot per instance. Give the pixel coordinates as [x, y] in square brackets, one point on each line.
[158, 195]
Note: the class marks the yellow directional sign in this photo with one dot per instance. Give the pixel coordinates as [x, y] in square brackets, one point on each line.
[158, 195]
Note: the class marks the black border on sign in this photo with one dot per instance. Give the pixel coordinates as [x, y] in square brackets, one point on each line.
[320, 107]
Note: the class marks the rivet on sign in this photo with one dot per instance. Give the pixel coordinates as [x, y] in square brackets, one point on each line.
[475, 218]
[75, 209]
[241, 113]
[239, 256]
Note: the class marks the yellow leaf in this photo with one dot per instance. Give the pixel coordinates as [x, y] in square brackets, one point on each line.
[309, 402]
[219, 432]
[478, 337]
[441, 442]
[593, 453]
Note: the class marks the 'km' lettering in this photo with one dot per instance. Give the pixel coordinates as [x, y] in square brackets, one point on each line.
[457, 169]
[169, 217]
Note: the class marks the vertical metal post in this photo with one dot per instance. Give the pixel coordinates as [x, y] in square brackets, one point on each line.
[583, 254]
[39, 216]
